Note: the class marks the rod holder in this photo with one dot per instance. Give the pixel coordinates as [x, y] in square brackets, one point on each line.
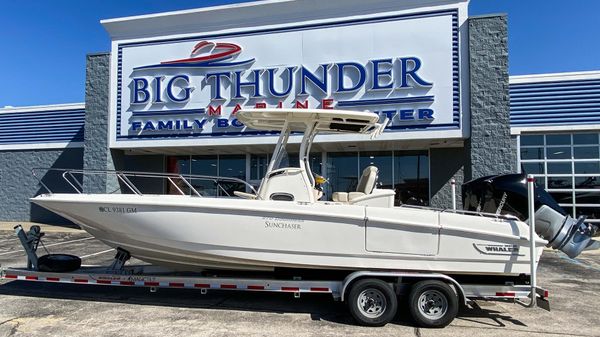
[453, 185]
[532, 235]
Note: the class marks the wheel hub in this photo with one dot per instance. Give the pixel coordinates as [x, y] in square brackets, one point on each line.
[372, 303]
[433, 304]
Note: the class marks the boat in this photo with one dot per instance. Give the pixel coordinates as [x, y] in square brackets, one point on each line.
[285, 224]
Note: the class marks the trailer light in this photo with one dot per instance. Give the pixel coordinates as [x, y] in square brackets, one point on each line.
[506, 294]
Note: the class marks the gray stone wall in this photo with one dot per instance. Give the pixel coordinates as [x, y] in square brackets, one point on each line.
[97, 154]
[18, 184]
[445, 165]
[490, 149]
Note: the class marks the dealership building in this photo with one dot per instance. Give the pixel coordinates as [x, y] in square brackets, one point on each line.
[165, 98]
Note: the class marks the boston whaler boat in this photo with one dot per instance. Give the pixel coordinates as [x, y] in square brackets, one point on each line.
[285, 225]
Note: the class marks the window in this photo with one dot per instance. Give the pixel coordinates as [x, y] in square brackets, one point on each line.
[383, 161]
[342, 172]
[411, 177]
[233, 166]
[205, 166]
[179, 165]
[406, 172]
[568, 166]
[260, 162]
[212, 165]
[258, 166]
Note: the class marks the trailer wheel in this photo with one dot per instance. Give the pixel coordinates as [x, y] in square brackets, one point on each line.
[59, 263]
[432, 304]
[372, 302]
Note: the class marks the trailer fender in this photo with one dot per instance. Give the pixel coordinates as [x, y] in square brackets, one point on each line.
[432, 276]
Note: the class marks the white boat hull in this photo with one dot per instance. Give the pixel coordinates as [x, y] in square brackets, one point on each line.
[188, 233]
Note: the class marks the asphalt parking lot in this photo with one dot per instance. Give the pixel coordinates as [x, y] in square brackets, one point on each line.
[35, 309]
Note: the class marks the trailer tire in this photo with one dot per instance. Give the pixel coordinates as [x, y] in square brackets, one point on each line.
[58, 263]
[372, 302]
[432, 304]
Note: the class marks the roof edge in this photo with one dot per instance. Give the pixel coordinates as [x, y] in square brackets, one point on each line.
[48, 107]
[553, 77]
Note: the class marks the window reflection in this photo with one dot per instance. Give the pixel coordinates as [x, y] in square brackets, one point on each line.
[533, 168]
[411, 177]
[532, 140]
[232, 166]
[559, 168]
[562, 197]
[585, 152]
[592, 213]
[587, 182]
[558, 152]
[572, 168]
[558, 139]
[342, 172]
[560, 182]
[212, 165]
[532, 153]
[591, 167]
[405, 172]
[178, 165]
[381, 160]
[258, 166]
[585, 138]
[587, 197]
[206, 166]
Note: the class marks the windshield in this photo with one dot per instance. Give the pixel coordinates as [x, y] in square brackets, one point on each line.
[283, 159]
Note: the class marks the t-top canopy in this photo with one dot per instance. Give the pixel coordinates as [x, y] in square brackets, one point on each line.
[299, 119]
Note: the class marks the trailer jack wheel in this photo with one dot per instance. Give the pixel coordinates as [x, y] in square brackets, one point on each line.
[433, 304]
[372, 302]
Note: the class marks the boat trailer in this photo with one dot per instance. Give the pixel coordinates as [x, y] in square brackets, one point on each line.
[434, 298]
[155, 277]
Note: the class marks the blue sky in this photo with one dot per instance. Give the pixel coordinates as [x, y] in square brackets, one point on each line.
[44, 43]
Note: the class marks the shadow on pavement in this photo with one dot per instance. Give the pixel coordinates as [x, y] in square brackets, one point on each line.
[493, 318]
[320, 307]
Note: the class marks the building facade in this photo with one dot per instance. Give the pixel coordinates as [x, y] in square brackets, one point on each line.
[164, 99]
[556, 120]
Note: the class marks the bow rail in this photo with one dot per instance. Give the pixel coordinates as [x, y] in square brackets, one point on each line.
[74, 178]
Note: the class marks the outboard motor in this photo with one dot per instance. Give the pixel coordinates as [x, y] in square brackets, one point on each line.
[507, 194]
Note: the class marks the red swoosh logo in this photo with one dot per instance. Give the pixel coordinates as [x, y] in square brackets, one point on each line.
[226, 50]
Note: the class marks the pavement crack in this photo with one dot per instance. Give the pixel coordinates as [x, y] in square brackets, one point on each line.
[417, 332]
[14, 328]
[8, 321]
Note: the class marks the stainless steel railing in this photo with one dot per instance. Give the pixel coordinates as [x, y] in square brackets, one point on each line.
[70, 176]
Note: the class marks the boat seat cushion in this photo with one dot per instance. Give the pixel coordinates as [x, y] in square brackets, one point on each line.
[365, 186]
[367, 180]
[346, 196]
